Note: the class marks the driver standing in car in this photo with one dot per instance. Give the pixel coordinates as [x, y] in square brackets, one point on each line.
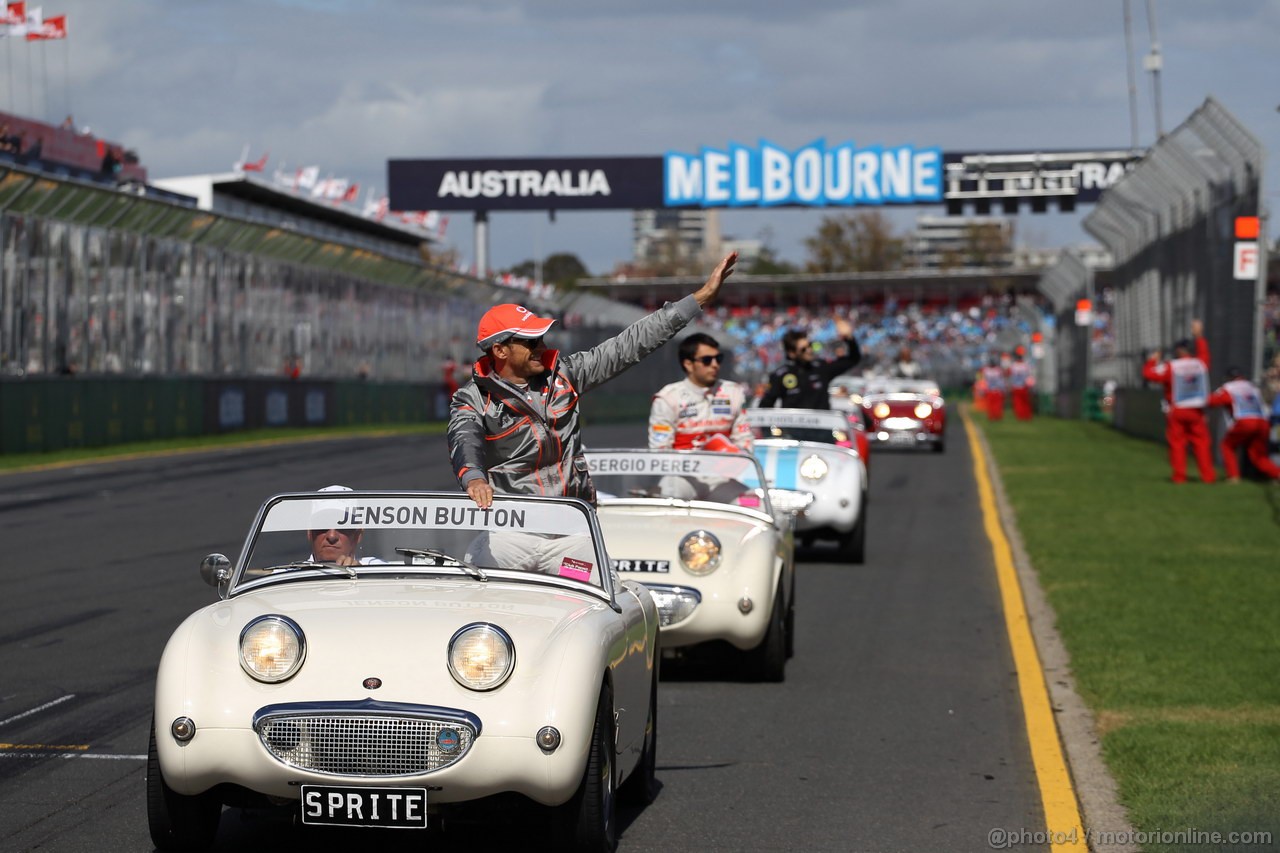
[801, 383]
[701, 410]
[515, 428]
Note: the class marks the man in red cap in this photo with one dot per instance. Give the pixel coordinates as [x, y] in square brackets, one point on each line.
[514, 427]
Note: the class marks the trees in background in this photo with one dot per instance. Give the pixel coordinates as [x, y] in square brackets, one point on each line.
[854, 242]
[562, 269]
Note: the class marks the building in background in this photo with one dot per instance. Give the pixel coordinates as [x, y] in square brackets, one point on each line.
[672, 240]
[948, 242]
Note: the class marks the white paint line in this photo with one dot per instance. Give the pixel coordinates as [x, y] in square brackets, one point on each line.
[26, 753]
[38, 709]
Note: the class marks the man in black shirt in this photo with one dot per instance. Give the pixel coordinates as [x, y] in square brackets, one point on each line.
[802, 382]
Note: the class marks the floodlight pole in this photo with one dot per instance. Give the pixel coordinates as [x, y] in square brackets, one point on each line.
[1133, 83]
[482, 243]
[1153, 63]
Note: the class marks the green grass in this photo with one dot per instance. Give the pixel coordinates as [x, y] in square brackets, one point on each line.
[1166, 597]
[28, 460]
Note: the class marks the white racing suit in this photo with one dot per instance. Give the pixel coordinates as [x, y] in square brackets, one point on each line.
[685, 416]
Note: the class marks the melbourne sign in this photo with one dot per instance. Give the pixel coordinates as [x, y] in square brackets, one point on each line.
[814, 175]
[765, 175]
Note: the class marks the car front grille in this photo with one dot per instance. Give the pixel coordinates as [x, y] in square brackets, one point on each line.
[361, 744]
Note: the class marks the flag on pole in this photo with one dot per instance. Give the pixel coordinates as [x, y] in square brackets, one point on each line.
[376, 208]
[35, 20]
[306, 177]
[15, 15]
[48, 30]
[245, 165]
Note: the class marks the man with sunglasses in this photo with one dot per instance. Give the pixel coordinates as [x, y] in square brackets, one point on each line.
[694, 411]
[801, 383]
[514, 428]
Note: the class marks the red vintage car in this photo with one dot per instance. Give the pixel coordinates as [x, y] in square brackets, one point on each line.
[846, 396]
[905, 413]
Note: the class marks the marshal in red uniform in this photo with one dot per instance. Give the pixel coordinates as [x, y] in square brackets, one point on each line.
[1247, 426]
[995, 382]
[1186, 393]
[1022, 380]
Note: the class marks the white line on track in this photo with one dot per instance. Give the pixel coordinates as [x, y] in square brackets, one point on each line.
[36, 754]
[38, 709]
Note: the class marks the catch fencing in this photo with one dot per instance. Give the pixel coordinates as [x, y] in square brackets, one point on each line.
[1169, 225]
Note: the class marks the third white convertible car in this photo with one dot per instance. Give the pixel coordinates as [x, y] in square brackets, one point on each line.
[699, 530]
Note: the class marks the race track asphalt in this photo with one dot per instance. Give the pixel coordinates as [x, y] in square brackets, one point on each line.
[898, 728]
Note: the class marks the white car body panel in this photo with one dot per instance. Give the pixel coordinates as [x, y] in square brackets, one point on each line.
[839, 495]
[756, 556]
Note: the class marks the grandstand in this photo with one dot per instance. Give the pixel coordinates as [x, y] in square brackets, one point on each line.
[133, 311]
[67, 151]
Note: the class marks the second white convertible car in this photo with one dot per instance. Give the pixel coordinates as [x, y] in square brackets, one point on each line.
[699, 530]
[809, 453]
[379, 658]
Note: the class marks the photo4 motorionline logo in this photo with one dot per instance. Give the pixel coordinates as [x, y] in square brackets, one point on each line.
[1002, 838]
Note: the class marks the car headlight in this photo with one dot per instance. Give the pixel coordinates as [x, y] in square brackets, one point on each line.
[923, 410]
[789, 500]
[675, 603]
[481, 656]
[272, 648]
[856, 399]
[700, 552]
[881, 410]
[813, 468]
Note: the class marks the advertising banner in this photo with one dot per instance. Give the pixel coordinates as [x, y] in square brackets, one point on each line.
[762, 175]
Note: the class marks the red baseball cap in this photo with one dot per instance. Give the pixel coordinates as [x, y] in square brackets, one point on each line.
[502, 322]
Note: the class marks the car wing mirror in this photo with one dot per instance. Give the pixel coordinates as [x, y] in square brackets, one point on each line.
[215, 570]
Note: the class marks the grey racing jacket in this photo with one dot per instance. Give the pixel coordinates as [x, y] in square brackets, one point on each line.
[530, 442]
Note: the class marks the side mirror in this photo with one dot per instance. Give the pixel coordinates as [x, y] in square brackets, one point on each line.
[215, 570]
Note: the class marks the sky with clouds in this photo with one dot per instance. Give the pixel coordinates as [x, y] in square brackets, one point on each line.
[349, 84]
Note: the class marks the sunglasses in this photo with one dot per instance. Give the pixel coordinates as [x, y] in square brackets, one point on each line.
[349, 532]
[528, 343]
[708, 360]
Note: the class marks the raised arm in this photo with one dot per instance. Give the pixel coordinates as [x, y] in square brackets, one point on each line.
[850, 359]
[609, 358]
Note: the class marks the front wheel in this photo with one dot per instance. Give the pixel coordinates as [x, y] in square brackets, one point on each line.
[177, 822]
[587, 823]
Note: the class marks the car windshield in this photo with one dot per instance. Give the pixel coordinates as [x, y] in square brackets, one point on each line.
[823, 427]
[725, 478]
[359, 534]
[919, 387]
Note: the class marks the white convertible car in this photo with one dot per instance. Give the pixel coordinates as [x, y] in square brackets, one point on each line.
[809, 453]
[698, 529]
[448, 655]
